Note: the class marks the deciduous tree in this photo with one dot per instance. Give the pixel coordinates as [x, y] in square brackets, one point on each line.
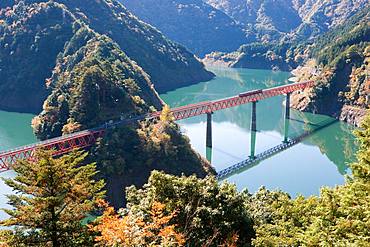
[151, 229]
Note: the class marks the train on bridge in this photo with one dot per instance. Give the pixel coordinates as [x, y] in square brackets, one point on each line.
[251, 93]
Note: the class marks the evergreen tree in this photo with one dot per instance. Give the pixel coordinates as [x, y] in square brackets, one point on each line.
[361, 169]
[340, 216]
[207, 213]
[52, 197]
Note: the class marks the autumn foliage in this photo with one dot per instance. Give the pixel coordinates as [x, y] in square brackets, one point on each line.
[154, 229]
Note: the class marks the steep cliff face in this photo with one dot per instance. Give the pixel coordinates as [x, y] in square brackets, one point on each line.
[268, 19]
[193, 23]
[340, 65]
[289, 19]
[320, 16]
[33, 34]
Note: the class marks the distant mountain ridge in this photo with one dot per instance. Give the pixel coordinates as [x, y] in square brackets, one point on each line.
[206, 26]
[193, 23]
[169, 65]
[269, 19]
[287, 19]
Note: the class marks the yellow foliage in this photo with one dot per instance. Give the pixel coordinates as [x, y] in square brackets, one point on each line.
[71, 127]
[166, 115]
[36, 121]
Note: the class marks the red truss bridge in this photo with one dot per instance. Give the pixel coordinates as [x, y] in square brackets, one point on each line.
[83, 139]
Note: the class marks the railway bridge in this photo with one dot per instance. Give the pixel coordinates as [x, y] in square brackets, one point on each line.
[83, 139]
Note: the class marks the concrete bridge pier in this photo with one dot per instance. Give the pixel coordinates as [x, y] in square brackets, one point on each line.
[209, 137]
[287, 106]
[253, 129]
[287, 118]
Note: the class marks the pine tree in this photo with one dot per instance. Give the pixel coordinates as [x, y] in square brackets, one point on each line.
[52, 197]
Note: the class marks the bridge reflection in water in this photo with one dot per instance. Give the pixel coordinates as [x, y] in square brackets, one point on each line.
[254, 160]
[253, 129]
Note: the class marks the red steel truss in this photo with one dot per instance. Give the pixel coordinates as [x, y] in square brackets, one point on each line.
[83, 139]
[61, 145]
[193, 110]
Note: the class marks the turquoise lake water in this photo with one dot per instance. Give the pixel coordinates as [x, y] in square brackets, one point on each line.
[320, 160]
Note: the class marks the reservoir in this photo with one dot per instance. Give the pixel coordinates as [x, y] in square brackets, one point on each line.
[320, 160]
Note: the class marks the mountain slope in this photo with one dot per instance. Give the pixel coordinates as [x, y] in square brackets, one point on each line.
[340, 61]
[193, 23]
[27, 55]
[320, 16]
[289, 19]
[92, 82]
[170, 65]
[97, 82]
[27, 30]
[269, 19]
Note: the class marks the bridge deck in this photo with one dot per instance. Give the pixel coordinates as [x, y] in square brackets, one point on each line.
[86, 138]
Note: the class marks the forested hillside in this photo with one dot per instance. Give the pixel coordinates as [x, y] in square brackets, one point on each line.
[87, 80]
[289, 19]
[271, 56]
[268, 19]
[192, 23]
[339, 62]
[31, 29]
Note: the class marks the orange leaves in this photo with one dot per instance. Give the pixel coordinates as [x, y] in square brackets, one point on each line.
[132, 230]
[113, 229]
[160, 229]
[71, 127]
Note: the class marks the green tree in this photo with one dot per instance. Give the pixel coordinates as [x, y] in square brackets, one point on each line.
[52, 197]
[340, 216]
[208, 213]
[361, 169]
